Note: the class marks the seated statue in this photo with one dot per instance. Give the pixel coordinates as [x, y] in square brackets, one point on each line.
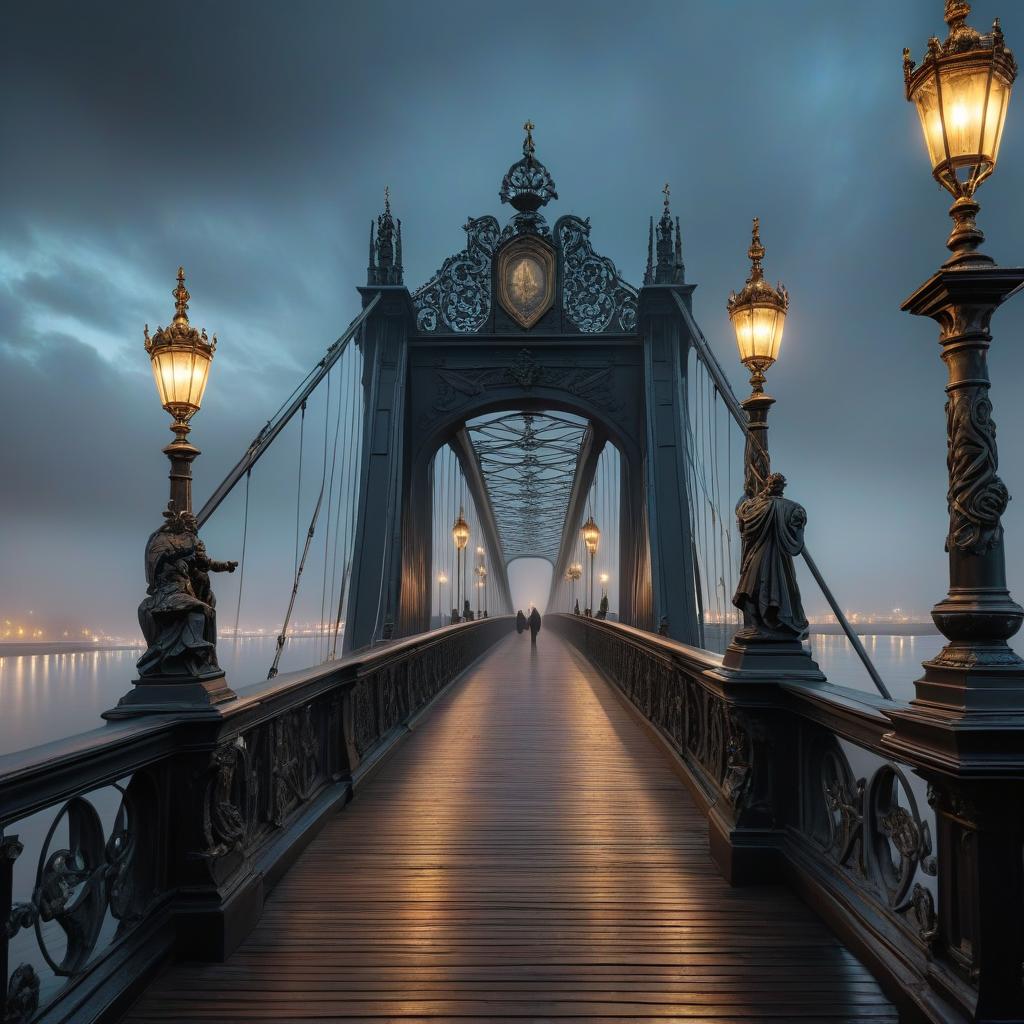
[772, 533]
[177, 615]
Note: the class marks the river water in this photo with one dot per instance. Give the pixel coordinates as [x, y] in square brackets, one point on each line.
[46, 697]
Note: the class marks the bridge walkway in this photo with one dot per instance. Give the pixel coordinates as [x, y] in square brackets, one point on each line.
[527, 853]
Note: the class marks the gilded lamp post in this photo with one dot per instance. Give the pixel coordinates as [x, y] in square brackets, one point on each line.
[961, 92]
[758, 316]
[460, 537]
[591, 537]
[771, 526]
[442, 579]
[573, 573]
[965, 727]
[179, 670]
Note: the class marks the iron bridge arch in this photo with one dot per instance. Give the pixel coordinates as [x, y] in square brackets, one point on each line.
[523, 318]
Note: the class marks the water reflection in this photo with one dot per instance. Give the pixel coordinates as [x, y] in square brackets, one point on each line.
[50, 696]
[897, 658]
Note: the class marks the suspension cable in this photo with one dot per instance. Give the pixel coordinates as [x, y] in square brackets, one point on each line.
[298, 488]
[241, 561]
[305, 551]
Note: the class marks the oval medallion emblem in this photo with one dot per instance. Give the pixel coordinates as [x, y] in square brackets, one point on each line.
[526, 285]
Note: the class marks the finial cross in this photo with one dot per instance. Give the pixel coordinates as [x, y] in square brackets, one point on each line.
[666, 192]
[528, 147]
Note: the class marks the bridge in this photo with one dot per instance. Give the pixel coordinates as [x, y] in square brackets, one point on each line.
[662, 810]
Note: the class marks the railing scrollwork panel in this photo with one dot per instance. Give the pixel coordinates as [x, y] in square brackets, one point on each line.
[198, 809]
[873, 829]
[94, 880]
[803, 773]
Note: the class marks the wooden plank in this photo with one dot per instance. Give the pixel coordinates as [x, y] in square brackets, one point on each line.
[527, 853]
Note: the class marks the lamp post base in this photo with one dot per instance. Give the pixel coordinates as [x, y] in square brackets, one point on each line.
[749, 651]
[178, 695]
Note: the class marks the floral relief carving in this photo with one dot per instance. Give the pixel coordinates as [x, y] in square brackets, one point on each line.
[458, 297]
[594, 296]
[977, 497]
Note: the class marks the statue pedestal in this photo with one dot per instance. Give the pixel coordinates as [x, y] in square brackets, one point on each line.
[190, 695]
[752, 652]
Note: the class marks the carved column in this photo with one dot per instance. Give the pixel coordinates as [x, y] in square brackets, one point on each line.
[965, 728]
[756, 460]
[976, 669]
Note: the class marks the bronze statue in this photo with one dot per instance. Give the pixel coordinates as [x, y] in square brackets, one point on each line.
[772, 532]
[177, 615]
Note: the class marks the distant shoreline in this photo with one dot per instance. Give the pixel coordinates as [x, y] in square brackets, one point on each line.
[16, 648]
[28, 648]
[877, 629]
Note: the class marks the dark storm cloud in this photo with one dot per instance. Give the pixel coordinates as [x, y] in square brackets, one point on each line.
[251, 142]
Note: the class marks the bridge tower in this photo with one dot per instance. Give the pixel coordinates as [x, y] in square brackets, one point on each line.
[525, 317]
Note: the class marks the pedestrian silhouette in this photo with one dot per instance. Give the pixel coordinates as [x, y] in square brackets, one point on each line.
[520, 621]
[534, 626]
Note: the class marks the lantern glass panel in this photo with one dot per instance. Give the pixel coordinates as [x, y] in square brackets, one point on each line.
[181, 374]
[759, 332]
[963, 110]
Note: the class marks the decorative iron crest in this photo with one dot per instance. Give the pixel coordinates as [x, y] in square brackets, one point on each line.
[458, 297]
[456, 387]
[594, 296]
[526, 279]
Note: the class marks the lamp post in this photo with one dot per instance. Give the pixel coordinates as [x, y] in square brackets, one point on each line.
[442, 578]
[481, 579]
[591, 537]
[966, 722]
[460, 535]
[604, 584]
[961, 91]
[758, 316]
[573, 573]
[180, 357]
[179, 670]
[481, 571]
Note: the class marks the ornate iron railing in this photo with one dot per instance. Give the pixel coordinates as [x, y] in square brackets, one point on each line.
[799, 782]
[124, 845]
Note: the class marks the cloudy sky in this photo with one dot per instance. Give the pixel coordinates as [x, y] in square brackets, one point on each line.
[252, 141]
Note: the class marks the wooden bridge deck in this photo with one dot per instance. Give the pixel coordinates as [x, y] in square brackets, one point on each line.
[527, 853]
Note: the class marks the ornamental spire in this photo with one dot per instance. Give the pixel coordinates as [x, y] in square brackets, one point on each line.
[757, 291]
[179, 331]
[528, 184]
[528, 147]
[669, 264]
[649, 272]
[756, 251]
[386, 254]
[181, 297]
